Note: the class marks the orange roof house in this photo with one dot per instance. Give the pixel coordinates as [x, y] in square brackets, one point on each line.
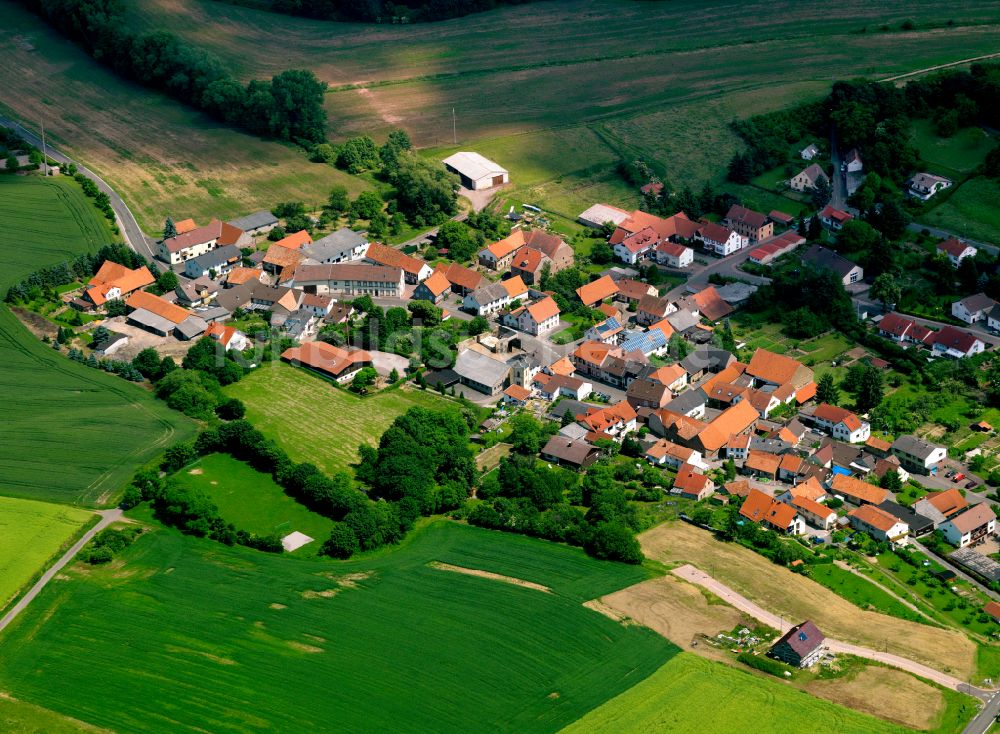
[116, 281]
[761, 508]
[184, 226]
[857, 491]
[948, 502]
[691, 483]
[762, 463]
[241, 275]
[517, 393]
[562, 366]
[334, 361]
[463, 280]
[740, 418]
[777, 369]
[710, 304]
[437, 283]
[596, 291]
[515, 287]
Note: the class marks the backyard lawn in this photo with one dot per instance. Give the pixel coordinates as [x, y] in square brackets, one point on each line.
[971, 211]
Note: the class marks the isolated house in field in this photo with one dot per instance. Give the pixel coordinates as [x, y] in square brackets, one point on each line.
[924, 185]
[475, 171]
[800, 647]
[956, 250]
[113, 281]
[808, 178]
[336, 362]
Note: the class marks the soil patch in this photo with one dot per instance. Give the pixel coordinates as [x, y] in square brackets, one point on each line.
[490, 575]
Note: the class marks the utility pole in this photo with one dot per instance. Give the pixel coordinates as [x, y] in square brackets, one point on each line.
[45, 162]
[454, 128]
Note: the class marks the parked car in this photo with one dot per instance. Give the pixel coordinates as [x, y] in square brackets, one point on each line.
[958, 477]
[950, 474]
[971, 485]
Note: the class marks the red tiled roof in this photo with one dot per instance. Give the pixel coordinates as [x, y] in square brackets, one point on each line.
[169, 311]
[326, 357]
[597, 291]
[953, 246]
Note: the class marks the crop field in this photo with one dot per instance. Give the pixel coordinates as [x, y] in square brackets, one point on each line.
[30, 534]
[317, 422]
[252, 501]
[26, 718]
[162, 157]
[70, 433]
[795, 597]
[231, 640]
[971, 211]
[689, 695]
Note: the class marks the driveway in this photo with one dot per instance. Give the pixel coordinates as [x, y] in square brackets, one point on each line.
[695, 576]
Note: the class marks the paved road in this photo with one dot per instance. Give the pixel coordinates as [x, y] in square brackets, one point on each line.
[694, 575]
[839, 183]
[945, 234]
[979, 328]
[107, 517]
[726, 266]
[127, 223]
[985, 718]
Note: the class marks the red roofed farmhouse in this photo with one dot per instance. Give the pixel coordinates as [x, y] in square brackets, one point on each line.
[340, 364]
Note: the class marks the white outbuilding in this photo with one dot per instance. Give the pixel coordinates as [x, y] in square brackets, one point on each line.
[476, 171]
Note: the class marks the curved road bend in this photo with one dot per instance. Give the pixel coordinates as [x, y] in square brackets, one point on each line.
[127, 223]
[107, 517]
[694, 575]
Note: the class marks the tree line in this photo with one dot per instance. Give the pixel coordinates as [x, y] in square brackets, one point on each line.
[288, 107]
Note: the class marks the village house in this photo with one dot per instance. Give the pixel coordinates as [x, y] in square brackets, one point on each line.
[637, 246]
[319, 306]
[671, 375]
[918, 524]
[342, 364]
[414, 269]
[856, 491]
[281, 261]
[112, 282]
[475, 171]
[463, 280]
[537, 318]
[840, 423]
[809, 152]
[748, 223]
[924, 185]
[852, 162]
[707, 303]
[614, 422]
[596, 291]
[198, 292]
[691, 484]
[808, 178]
[240, 275]
[970, 527]
[434, 288]
[351, 279]
[761, 464]
[667, 453]
[939, 506]
[956, 343]
[900, 328]
[673, 254]
[972, 309]
[800, 647]
[632, 291]
[608, 331]
[761, 508]
[833, 218]
[516, 395]
[647, 393]
[156, 315]
[817, 515]
[567, 452]
[486, 300]
[776, 370]
[780, 245]
[824, 258]
[720, 240]
[878, 523]
[229, 337]
[214, 264]
[956, 250]
[653, 308]
[191, 243]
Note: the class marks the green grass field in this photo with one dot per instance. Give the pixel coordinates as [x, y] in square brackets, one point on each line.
[70, 433]
[314, 421]
[970, 212]
[252, 501]
[690, 695]
[954, 156]
[860, 592]
[229, 640]
[26, 718]
[30, 534]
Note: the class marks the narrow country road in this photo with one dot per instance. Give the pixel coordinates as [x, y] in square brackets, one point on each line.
[695, 576]
[107, 517]
[945, 234]
[905, 602]
[127, 223]
[929, 69]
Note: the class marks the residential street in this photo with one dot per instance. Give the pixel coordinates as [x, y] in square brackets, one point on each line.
[727, 266]
[107, 517]
[127, 223]
[696, 576]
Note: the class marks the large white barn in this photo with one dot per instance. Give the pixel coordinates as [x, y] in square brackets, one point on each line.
[476, 171]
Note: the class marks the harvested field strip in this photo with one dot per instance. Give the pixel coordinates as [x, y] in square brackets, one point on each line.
[795, 598]
[489, 575]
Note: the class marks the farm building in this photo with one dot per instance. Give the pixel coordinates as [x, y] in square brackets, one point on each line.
[476, 171]
[340, 364]
[598, 215]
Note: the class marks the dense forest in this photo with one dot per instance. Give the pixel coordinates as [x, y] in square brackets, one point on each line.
[288, 106]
